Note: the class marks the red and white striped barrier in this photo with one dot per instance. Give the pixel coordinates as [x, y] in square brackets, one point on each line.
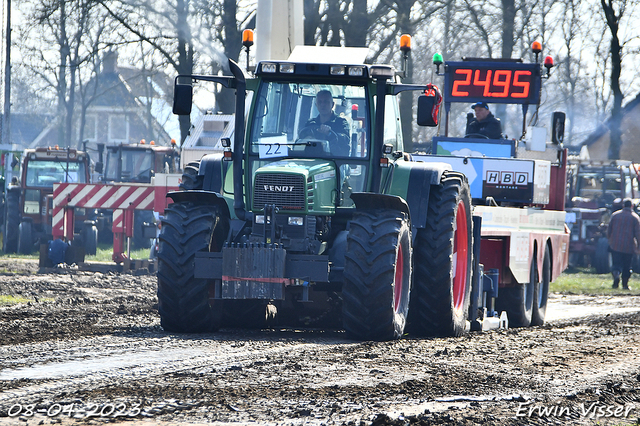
[123, 199]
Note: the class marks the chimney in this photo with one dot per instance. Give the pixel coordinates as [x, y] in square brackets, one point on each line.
[110, 62]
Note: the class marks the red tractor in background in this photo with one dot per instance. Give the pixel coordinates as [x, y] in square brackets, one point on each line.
[134, 163]
[28, 200]
[595, 190]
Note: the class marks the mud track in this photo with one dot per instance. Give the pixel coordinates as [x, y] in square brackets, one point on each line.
[88, 349]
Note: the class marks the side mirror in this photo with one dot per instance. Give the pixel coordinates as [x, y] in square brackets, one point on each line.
[428, 109]
[557, 127]
[99, 166]
[182, 99]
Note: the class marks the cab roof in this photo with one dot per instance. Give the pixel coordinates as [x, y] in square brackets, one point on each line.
[329, 55]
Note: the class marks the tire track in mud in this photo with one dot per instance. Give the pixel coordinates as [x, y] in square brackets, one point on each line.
[95, 362]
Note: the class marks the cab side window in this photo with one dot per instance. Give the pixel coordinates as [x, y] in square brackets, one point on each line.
[392, 125]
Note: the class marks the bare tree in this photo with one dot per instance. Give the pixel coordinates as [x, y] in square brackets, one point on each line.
[55, 50]
[224, 21]
[615, 49]
[164, 25]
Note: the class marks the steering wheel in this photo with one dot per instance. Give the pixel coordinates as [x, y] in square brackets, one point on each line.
[308, 131]
[476, 135]
[312, 130]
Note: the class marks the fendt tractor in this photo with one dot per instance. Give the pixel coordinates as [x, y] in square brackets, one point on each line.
[29, 198]
[295, 223]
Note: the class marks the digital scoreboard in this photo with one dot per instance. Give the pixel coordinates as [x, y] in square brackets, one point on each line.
[492, 82]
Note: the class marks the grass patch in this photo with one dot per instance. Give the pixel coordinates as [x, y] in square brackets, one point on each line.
[104, 253]
[33, 255]
[12, 300]
[581, 281]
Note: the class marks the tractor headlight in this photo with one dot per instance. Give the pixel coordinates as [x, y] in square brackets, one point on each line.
[295, 220]
[260, 219]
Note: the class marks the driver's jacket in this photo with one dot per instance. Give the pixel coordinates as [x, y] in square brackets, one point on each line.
[489, 127]
[338, 124]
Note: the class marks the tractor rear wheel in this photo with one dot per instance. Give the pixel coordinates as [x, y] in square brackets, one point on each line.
[442, 283]
[377, 275]
[541, 291]
[12, 219]
[185, 303]
[518, 301]
[191, 180]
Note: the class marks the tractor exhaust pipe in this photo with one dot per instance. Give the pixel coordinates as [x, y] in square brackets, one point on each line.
[238, 140]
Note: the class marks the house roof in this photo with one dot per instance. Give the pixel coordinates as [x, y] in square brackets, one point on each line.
[603, 128]
[25, 128]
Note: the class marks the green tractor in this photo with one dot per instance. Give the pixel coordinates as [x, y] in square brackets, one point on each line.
[304, 225]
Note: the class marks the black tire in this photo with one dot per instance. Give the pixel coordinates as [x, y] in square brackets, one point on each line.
[90, 237]
[518, 301]
[12, 219]
[25, 238]
[191, 180]
[602, 257]
[440, 298]
[541, 290]
[184, 301]
[377, 275]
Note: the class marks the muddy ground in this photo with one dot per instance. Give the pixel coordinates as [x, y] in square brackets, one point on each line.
[88, 349]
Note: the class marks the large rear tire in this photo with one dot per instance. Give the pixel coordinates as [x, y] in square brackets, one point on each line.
[442, 280]
[184, 302]
[377, 275]
[12, 219]
[541, 291]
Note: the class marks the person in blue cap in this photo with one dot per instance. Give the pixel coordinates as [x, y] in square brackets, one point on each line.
[484, 124]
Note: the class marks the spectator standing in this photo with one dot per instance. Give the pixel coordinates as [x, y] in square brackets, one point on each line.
[624, 242]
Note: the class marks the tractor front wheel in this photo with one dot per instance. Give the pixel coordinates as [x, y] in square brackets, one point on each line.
[184, 302]
[377, 275]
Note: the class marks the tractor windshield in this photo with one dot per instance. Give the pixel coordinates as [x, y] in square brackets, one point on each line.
[310, 121]
[45, 173]
[129, 165]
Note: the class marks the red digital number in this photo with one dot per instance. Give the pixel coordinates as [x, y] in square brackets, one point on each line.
[486, 82]
[456, 84]
[502, 78]
[519, 83]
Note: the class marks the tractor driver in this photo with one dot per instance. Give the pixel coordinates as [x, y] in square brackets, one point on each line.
[484, 125]
[328, 126]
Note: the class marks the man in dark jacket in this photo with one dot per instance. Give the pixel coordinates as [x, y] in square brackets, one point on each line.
[624, 241]
[484, 123]
[328, 126]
